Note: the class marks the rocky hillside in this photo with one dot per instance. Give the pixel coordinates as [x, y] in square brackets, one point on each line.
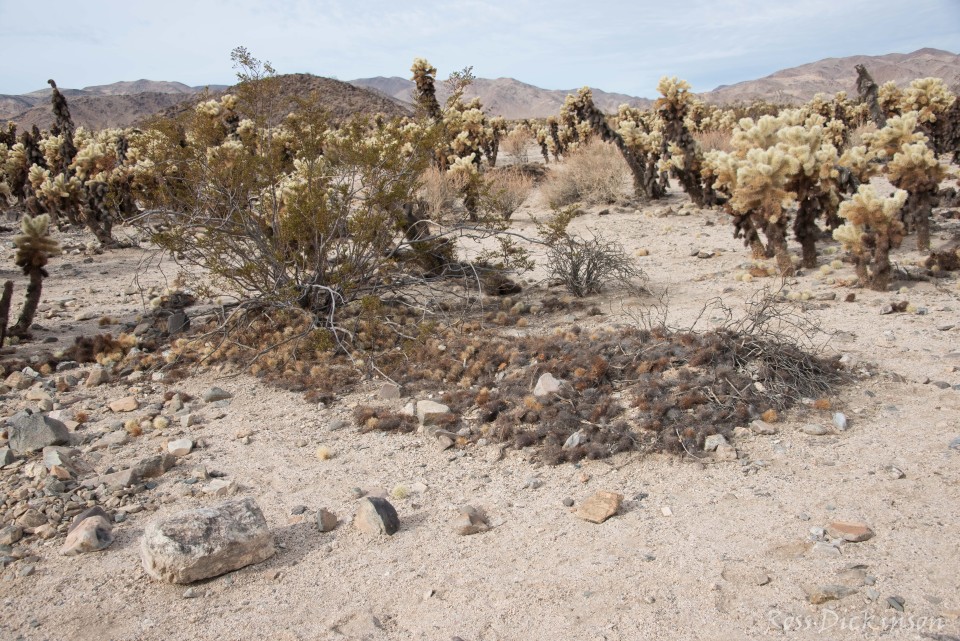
[505, 97]
[830, 75]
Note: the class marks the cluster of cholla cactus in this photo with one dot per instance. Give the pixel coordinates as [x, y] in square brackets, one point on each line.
[75, 176]
[779, 163]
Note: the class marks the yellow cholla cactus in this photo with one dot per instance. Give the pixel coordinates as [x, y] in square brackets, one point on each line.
[761, 181]
[34, 245]
[915, 168]
[929, 97]
[867, 211]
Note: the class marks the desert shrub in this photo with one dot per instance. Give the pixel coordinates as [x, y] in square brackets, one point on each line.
[714, 140]
[441, 192]
[517, 143]
[593, 173]
[505, 190]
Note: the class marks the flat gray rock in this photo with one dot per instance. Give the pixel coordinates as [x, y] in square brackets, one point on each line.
[34, 432]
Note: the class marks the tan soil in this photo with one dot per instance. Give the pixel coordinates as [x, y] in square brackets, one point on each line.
[542, 573]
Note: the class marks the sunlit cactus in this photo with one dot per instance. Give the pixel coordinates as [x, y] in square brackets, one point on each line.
[425, 78]
[915, 168]
[872, 229]
[34, 249]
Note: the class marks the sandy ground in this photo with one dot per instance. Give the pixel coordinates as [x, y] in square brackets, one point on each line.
[730, 561]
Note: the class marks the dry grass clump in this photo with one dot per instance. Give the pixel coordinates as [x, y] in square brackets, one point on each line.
[517, 143]
[505, 189]
[441, 191]
[714, 140]
[594, 173]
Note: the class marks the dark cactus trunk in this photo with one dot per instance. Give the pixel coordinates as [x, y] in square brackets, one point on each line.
[30, 304]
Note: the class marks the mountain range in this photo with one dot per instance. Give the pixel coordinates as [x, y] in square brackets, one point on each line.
[126, 103]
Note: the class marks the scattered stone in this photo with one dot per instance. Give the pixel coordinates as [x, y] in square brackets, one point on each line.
[576, 439]
[814, 429]
[840, 421]
[762, 427]
[34, 432]
[703, 253]
[444, 442]
[600, 507]
[955, 444]
[547, 385]
[37, 394]
[91, 534]
[153, 466]
[220, 487]
[726, 452]
[742, 574]
[126, 404]
[825, 549]
[215, 394]
[11, 534]
[180, 447]
[326, 520]
[32, 519]
[714, 441]
[851, 532]
[429, 412]
[568, 502]
[666, 511]
[376, 516]
[206, 542]
[18, 381]
[470, 521]
[896, 602]
[829, 592]
[6, 456]
[532, 483]
[191, 593]
[178, 322]
[389, 392]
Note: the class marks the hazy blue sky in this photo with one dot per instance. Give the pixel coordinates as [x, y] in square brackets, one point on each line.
[618, 46]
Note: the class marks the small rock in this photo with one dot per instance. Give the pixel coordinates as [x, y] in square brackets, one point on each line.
[444, 442]
[34, 432]
[600, 507]
[37, 394]
[814, 429]
[762, 427]
[532, 483]
[576, 439]
[97, 376]
[429, 412]
[180, 447]
[6, 456]
[178, 322]
[830, 592]
[389, 392]
[714, 441]
[568, 502]
[11, 534]
[220, 487]
[547, 385]
[703, 253]
[376, 516]
[191, 593]
[852, 532]
[326, 520]
[896, 602]
[726, 452]
[215, 394]
[18, 381]
[92, 534]
[470, 521]
[955, 444]
[840, 421]
[206, 542]
[126, 404]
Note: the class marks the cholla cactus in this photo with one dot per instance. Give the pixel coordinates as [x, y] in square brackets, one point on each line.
[34, 249]
[872, 229]
[929, 97]
[889, 99]
[762, 195]
[425, 77]
[915, 168]
[687, 164]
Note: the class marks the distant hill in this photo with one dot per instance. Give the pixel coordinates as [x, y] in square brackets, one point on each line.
[505, 97]
[123, 104]
[830, 75]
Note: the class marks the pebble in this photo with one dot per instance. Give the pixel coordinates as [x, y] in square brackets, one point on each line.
[850, 531]
[829, 592]
[547, 385]
[326, 520]
[896, 602]
[532, 483]
[814, 429]
[180, 447]
[714, 441]
[125, 404]
[376, 516]
[568, 502]
[762, 427]
[840, 421]
[470, 521]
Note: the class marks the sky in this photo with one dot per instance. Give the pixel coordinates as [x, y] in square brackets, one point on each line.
[614, 45]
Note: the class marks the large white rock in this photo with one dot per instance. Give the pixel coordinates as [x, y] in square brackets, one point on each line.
[547, 385]
[207, 542]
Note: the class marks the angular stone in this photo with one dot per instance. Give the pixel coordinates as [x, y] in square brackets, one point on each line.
[6, 456]
[125, 404]
[215, 394]
[114, 480]
[600, 507]
[154, 466]
[180, 447]
[429, 412]
[60, 456]
[817, 594]
[178, 322]
[35, 432]
[376, 516]
[470, 521]
[576, 439]
[11, 534]
[18, 381]
[762, 427]
[97, 376]
[207, 542]
[714, 441]
[840, 421]
[96, 510]
[220, 487]
[31, 519]
[38, 394]
[326, 520]
[389, 392]
[547, 385]
[92, 534]
[849, 531]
